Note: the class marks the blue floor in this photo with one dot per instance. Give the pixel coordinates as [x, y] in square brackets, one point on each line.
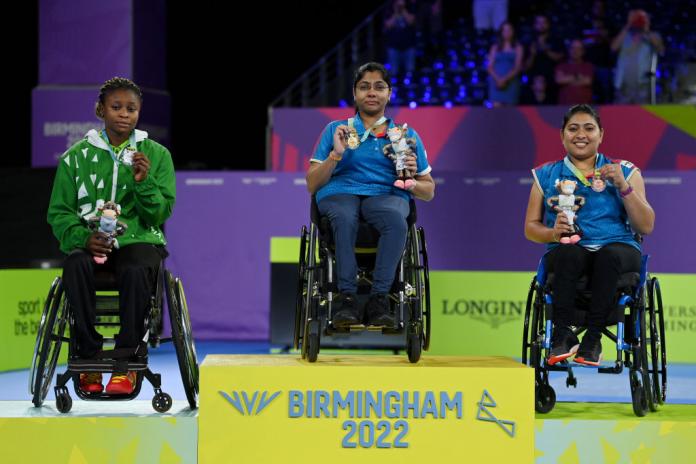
[592, 387]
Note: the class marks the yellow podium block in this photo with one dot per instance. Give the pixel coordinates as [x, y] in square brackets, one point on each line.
[100, 432]
[381, 409]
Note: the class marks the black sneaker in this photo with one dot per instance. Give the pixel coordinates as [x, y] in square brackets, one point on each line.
[344, 310]
[378, 311]
[590, 351]
[564, 343]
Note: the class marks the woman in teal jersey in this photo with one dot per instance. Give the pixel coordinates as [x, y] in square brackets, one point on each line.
[615, 209]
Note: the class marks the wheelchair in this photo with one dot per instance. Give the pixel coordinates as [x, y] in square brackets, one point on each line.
[409, 297]
[57, 316]
[639, 338]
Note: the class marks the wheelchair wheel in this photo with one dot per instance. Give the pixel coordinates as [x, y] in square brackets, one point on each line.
[424, 272]
[301, 288]
[527, 337]
[309, 321]
[182, 338]
[63, 402]
[646, 378]
[162, 402]
[311, 336]
[312, 347]
[48, 341]
[657, 362]
[154, 326]
[413, 344]
[536, 330]
[417, 290]
[155, 321]
[639, 397]
[544, 398]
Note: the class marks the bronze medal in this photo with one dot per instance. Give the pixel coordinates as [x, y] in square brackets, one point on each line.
[598, 184]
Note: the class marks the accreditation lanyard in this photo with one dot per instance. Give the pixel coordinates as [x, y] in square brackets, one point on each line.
[117, 159]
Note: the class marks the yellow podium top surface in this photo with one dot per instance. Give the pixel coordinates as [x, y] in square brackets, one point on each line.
[494, 362]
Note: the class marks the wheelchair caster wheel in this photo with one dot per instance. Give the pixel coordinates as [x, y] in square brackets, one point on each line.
[572, 382]
[413, 347]
[312, 347]
[162, 402]
[544, 398]
[638, 397]
[63, 402]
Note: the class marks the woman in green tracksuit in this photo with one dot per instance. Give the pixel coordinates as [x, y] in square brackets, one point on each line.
[118, 164]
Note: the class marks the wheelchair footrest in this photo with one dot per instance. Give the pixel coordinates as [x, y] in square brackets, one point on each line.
[610, 369]
[101, 365]
[375, 328]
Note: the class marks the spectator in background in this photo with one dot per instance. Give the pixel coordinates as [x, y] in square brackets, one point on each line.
[429, 21]
[544, 53]
[574, 77]
[489, 14]
[597, 41]
[536, 94]
[504, 65]
[638, 48]
[400, 35]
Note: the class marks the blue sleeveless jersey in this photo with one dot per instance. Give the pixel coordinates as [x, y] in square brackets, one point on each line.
[603, 218]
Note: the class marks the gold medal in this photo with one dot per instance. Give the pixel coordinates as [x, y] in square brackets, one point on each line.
[352, 139]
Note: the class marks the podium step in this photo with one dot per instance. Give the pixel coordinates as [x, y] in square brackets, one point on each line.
[98, 432]
[381, 409]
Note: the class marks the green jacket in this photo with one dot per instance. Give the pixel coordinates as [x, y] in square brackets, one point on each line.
[88, 176]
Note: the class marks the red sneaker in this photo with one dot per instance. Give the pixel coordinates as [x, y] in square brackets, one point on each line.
[121, 384]
[91, 382]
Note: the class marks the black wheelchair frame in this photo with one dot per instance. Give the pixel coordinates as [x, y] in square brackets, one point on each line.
[51, 334]
[639, 338]
[409, 296]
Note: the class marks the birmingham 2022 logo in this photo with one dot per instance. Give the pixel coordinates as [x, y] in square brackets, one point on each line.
[247, 404]
[376, 419]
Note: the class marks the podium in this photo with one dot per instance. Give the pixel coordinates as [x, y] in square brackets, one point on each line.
[100, 432]
[381, 409]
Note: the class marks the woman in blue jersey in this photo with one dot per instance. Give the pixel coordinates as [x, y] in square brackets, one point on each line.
[615, 209]
[353, 177]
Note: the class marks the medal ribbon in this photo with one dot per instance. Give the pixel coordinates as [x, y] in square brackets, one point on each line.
[366, 134]
[114, 156]
[576, 172]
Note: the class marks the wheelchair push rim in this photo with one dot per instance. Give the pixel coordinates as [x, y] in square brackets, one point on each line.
[40, 334]
[183, 339]
[48, 343]
[526, 339]
[301, 288]
[657, 366]
[422, 255]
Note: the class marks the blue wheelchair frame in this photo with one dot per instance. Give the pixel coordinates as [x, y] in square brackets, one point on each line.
[647, 370]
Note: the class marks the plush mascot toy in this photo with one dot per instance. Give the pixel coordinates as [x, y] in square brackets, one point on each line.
[569, 203]
[108, 223]
[397, 150]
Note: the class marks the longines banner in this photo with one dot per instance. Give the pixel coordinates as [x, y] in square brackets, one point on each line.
[381, 409]
[483, 313]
